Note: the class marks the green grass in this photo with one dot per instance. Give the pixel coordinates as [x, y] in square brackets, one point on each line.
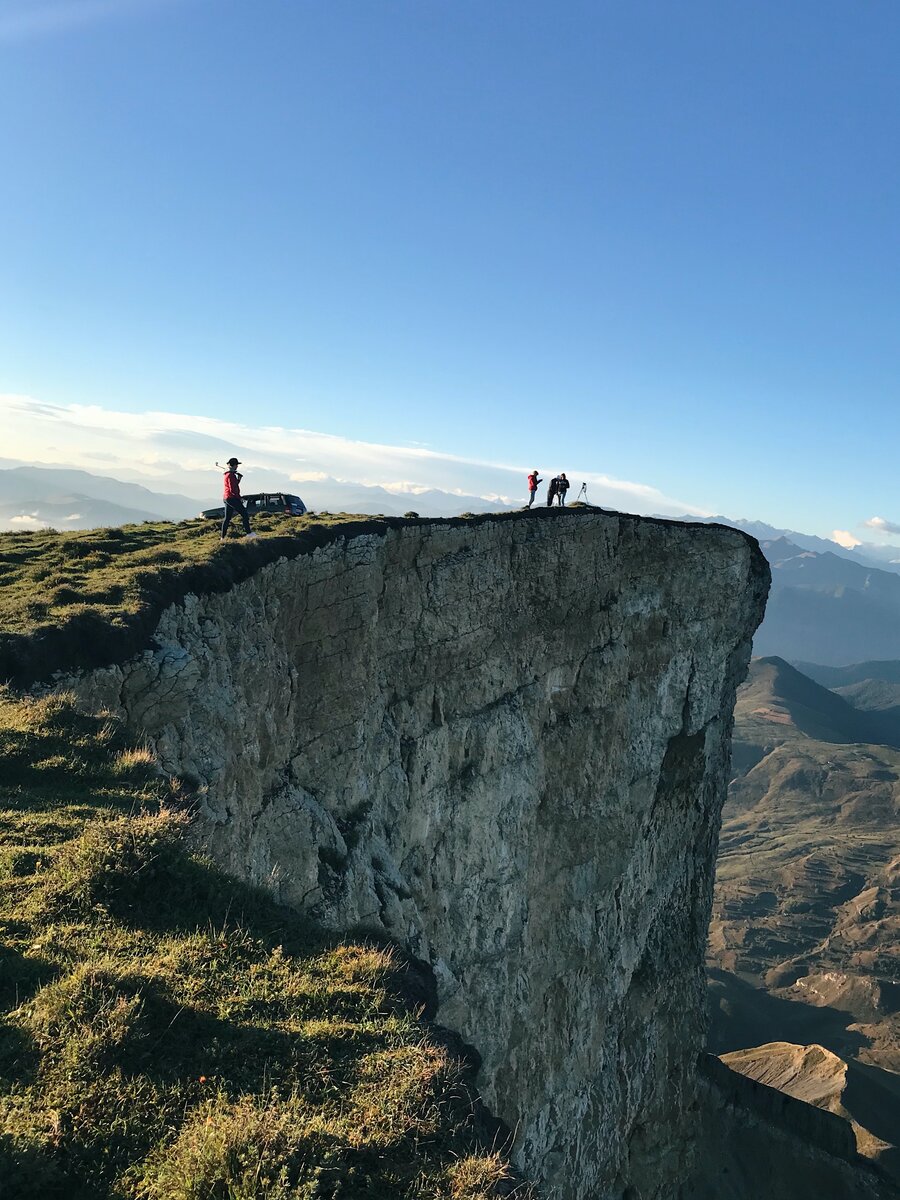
[167, 1033]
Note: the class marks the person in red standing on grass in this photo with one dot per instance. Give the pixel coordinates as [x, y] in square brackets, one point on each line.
[533, 481]
[234, 505]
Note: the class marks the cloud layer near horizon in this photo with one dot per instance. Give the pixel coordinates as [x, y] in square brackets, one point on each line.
[174, 451]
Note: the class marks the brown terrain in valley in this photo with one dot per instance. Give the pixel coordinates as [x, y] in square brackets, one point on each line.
[804, 952]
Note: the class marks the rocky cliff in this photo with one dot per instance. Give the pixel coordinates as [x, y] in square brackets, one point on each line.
[504, 742]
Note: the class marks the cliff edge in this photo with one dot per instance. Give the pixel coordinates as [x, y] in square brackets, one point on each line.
[505, 744]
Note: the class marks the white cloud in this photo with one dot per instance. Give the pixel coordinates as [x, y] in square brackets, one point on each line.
[882, 525]
[844, 538]
[26, 521]
[307, 476]
[403, 487]
[175, 451]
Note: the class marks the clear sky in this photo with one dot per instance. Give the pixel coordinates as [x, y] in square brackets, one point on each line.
[657, 240]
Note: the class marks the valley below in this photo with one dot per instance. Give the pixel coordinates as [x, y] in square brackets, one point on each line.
[803, 955]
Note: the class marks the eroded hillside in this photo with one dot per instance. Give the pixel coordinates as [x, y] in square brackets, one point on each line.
[806, 922]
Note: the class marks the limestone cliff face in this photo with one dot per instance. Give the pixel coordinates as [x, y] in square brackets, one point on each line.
[504, 742]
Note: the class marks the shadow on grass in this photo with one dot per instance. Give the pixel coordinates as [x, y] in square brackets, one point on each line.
[19, 1057]
[20, 977]
[29, 1173]
[174, 1042]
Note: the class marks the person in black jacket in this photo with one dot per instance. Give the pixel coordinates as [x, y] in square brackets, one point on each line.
[562, 486]
[551, 490]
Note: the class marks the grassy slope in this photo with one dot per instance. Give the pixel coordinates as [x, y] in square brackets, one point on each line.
[165, 1031]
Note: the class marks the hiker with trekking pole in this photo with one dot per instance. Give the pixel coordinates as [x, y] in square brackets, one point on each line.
[234, 505]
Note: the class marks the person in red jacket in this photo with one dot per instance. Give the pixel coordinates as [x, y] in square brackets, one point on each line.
[234, 505]
[533, 481]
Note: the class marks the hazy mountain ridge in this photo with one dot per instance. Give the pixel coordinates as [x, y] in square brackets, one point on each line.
[886, 558]
[824, 608]
[37, 497]
[73, 499]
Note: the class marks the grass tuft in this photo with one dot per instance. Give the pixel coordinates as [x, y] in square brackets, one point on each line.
[258, 1148]
[403, 1092]
[116, 864]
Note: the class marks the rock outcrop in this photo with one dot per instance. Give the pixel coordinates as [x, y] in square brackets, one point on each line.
[503, 742]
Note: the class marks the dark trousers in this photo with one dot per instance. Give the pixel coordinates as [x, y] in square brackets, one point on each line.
[235, 508]
[561, 497]
[550, 496]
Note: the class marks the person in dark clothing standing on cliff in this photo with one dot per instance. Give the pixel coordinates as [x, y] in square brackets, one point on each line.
[562, 486]
[234, 505]
[551, 490]
[533, 481]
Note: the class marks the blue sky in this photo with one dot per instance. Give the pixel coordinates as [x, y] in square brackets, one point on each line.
[659, 241]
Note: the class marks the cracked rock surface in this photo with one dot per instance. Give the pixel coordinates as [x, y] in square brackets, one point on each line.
[504, 743]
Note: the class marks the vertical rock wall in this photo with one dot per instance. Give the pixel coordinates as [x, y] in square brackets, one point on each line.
[504, 742]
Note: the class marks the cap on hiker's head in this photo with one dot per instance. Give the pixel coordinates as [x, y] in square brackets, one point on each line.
[234, 462]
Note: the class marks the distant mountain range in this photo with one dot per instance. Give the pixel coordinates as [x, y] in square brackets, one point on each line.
[886, 558]
[334, 495]
[829, 605]
[824, 608]
[777, 703]
[34, 497]
[37, 497]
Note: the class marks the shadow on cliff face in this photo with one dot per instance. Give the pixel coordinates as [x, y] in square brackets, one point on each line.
[169, 1032]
